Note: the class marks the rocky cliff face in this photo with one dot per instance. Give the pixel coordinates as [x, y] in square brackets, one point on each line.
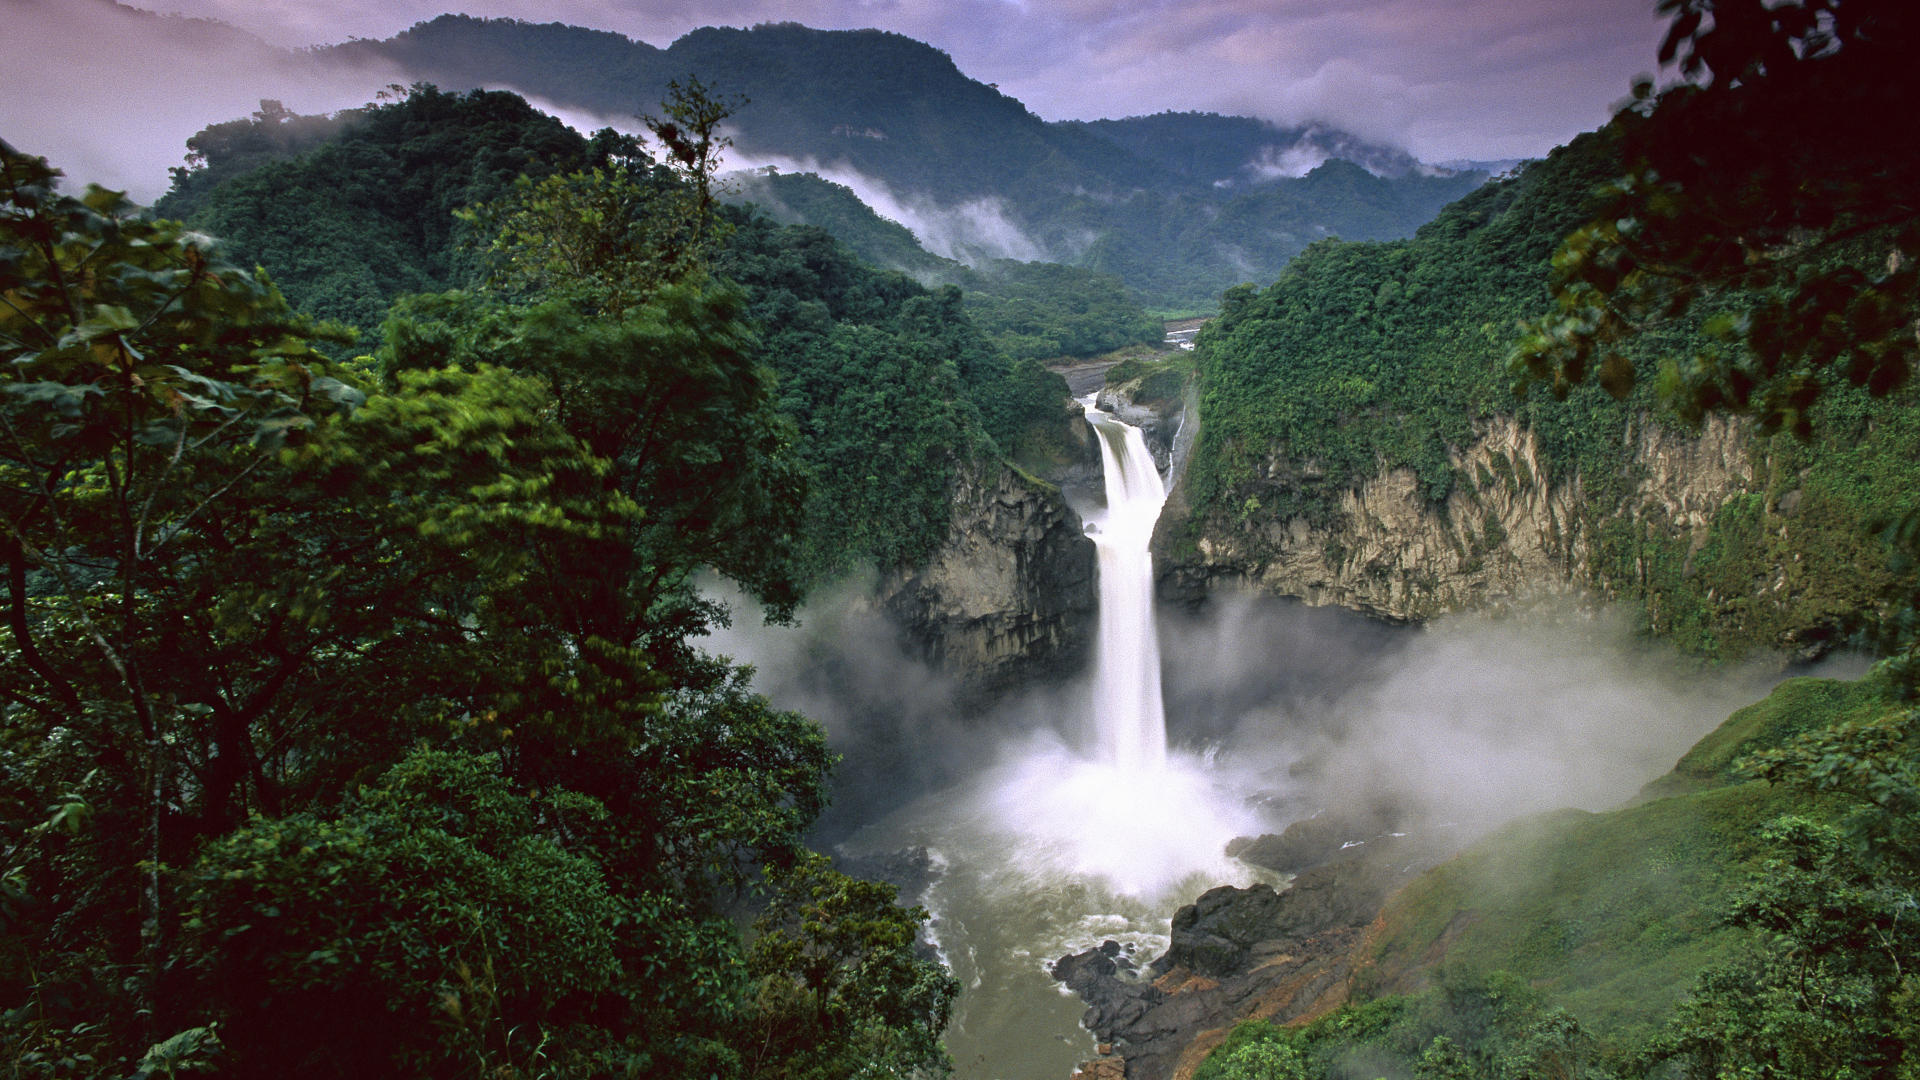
[1010, 595]
[1237, 954]
[1505, 533]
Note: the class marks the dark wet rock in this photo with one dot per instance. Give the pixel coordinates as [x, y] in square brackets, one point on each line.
[1239, 952]
[1009, 598]
[1089, 968]
[1310, 842]
[1215, 934]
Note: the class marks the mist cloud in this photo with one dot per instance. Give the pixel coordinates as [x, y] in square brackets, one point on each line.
[1469, 720]
[111, 96]
[1475, 720]
[970, 232]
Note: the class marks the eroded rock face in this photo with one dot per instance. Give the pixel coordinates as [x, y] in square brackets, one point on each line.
[1164, 421]
[1506, 532]
[1239, 953]
[1010, 596]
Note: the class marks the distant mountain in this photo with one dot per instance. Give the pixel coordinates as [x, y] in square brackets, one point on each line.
[883, 104]
[1237, 151]
[1178, 205]
[1031, 310]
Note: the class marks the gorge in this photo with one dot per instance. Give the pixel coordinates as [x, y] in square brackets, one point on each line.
[1296, 739]
[1078, 832]
[485, 587]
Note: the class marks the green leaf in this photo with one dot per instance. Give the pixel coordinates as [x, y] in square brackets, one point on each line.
[106, 320]
[62, 398]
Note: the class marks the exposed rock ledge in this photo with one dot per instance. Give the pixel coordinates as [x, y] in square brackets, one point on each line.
[1506, 533]
[1010, 595]
[1241, 953]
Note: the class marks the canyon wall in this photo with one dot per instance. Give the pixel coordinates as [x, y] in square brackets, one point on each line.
[1010, 596]
[1506, 532]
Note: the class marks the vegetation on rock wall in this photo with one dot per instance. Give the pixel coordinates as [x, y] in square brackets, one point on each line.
[1752, 914]
[1363, 358]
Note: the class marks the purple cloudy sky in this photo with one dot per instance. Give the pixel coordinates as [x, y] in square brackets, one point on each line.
[1445, 79]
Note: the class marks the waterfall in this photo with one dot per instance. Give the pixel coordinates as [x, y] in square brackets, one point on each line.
[1128, 716]
[1059, 845]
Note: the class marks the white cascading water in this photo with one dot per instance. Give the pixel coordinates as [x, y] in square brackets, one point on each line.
[1129, 718]
[1058, 847]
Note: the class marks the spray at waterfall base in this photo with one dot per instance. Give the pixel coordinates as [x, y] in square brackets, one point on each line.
[1057, 846]
[1042, 844]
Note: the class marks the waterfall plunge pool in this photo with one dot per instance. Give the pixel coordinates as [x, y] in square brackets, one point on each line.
[1057, 846]
[1042, 844]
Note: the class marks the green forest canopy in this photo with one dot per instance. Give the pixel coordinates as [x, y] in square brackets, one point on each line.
[1756, 255]
[352, 720]
[871, 365]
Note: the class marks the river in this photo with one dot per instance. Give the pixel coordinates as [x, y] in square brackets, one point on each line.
[1066, 818]
[1092, 831]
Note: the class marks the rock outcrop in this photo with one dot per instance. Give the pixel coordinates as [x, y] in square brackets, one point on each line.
[1505, 533]
[1161, 407]
[1238, 953]
[1010, 596]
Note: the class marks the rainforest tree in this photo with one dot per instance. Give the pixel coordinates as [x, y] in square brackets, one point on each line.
[1768, 173]
[364, 693]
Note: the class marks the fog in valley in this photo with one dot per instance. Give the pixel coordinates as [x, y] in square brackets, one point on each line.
[970, 232]
[131, 88]
[1467, 721]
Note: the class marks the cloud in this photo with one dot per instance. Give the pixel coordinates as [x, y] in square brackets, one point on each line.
[969, 232]
[1462, 78]
[111, 96]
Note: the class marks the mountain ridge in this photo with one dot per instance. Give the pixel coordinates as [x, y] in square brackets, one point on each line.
[898, 114]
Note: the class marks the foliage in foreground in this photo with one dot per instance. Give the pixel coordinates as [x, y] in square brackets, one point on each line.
[350, 719]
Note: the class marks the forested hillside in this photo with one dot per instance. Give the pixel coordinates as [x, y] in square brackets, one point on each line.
[1735, 251]
[350, 212]
[889, 106]
[1227, 151]
[1036, 310]
[1176, 225]
[1364, 359]
[871, 365]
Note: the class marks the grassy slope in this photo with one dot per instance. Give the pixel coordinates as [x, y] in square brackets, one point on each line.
[1611, 914]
